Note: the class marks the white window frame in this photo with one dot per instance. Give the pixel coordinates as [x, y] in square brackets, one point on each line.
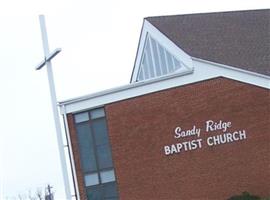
[159, 37]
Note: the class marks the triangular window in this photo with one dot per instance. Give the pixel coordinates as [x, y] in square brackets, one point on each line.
[157, 61]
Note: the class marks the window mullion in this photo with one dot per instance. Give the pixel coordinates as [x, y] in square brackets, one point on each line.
[166, 60]
[159, 59]
[95, 149]
[174, 64]
[152, 55]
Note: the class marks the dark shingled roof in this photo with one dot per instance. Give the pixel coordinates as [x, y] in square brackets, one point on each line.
[237, 38]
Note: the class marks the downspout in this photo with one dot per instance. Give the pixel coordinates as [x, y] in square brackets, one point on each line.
[70, 153]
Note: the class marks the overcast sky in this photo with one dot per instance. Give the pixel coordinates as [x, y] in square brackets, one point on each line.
[99, 41]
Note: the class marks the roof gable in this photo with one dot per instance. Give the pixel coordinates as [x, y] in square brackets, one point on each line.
[158, 61]
[239, 38]
[153, 45]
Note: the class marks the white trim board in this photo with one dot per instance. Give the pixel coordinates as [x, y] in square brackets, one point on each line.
[203, 70]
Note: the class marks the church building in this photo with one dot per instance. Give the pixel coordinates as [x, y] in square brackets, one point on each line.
[194, 121]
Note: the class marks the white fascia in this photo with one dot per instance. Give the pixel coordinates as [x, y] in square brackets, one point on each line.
[208, 69]
[203, 70]
[178, 53]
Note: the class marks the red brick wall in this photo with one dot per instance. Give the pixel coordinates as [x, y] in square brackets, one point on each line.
[140, 127]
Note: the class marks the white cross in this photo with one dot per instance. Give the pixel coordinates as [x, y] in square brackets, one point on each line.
[48, 58]
[47, 61]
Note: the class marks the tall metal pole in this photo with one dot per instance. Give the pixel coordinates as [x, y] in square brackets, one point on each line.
[54, 106]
